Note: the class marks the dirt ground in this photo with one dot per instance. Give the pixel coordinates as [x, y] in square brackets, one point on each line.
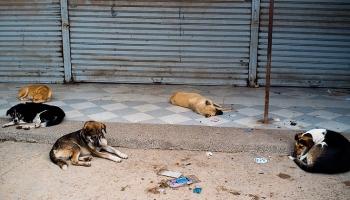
[27, 173]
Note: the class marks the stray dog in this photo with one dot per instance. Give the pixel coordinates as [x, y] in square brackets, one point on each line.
[35, 93]
[322, 151]
[80, 145]
[196, 103]
[41, 115]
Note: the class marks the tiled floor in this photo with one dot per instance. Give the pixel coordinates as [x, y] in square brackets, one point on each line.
[309, 108]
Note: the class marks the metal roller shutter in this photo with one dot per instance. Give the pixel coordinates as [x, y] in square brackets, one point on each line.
[158, 41]
[311, 43]
[30, 41]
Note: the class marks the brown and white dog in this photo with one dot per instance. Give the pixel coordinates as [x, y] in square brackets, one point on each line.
[196, 103]
[37, 93]
[80, 145]
[322, 151]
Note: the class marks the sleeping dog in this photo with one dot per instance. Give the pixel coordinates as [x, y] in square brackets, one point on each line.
[80, 145]
[322, 151]
[40, 115]
[196, 103]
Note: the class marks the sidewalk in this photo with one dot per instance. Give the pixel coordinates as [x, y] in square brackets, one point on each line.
[131, 103]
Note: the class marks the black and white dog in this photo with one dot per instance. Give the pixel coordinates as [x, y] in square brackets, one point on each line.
[40, 115]
[322, 151]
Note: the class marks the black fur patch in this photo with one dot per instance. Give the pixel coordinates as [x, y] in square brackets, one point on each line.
[53, 115]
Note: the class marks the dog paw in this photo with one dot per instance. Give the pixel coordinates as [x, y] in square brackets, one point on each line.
[89, 158]
[291, 157]
[4, 126]
[88, 164]
[64, 167]
[19, 127]
[123, 155]
[116, 159]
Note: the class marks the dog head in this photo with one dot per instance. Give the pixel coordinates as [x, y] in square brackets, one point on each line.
[93, 134]
[303, 143]
[16, 116]
[211, 109]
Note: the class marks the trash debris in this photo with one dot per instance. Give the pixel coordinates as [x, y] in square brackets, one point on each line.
[123, 188]
[197, 190]
[215, 119]
[260, 160]
[182, 181]
[209, 154]
[162, 190]
[276, 119]
[284, 176]
[248, 130]
[158, 189]
[168, 173]
[293, 123]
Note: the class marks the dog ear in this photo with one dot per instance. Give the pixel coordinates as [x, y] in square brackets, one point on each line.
[86, 128]
[297, 136]
[104, 128]
[216, 105]
[207, 102]
[8, 112]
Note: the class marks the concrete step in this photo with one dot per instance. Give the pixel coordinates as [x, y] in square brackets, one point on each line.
[161, 136]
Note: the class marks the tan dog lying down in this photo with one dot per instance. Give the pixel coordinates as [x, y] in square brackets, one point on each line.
[197, 103]
[36, 93]
[81, 145]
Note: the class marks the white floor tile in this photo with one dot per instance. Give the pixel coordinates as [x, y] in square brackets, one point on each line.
[138, 117]
[114, 106]
[83, 105]
[175, 118]
[146, 107]
[102, 116]
[287, 113]
[324, 114]
[250, 112]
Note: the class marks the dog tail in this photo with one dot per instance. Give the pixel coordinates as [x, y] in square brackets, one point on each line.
[58, 116]
[61, 163]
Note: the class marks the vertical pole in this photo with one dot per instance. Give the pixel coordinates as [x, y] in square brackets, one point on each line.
[254, 38]
[268, 65]
[66, 42]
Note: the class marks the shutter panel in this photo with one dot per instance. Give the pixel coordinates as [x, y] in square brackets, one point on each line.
[311, 43]
[31, 41]
[159, 41]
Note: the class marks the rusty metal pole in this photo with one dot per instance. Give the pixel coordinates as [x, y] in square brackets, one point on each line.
[268, 65]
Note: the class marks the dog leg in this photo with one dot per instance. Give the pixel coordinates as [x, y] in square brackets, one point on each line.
[107, 156]
[11, 123]
[25, 127]
[75, 158]
[85, 158]
[114, 151]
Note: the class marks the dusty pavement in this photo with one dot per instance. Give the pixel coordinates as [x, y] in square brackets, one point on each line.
[27, 173]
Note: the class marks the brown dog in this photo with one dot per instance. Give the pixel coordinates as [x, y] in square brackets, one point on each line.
[80, 145]
[36, 93]
[196, 103]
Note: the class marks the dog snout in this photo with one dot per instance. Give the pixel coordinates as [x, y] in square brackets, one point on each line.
[15, 120]
[219, 112]
[103, 142]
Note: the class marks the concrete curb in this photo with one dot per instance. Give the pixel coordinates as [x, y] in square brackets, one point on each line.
[161, 136]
